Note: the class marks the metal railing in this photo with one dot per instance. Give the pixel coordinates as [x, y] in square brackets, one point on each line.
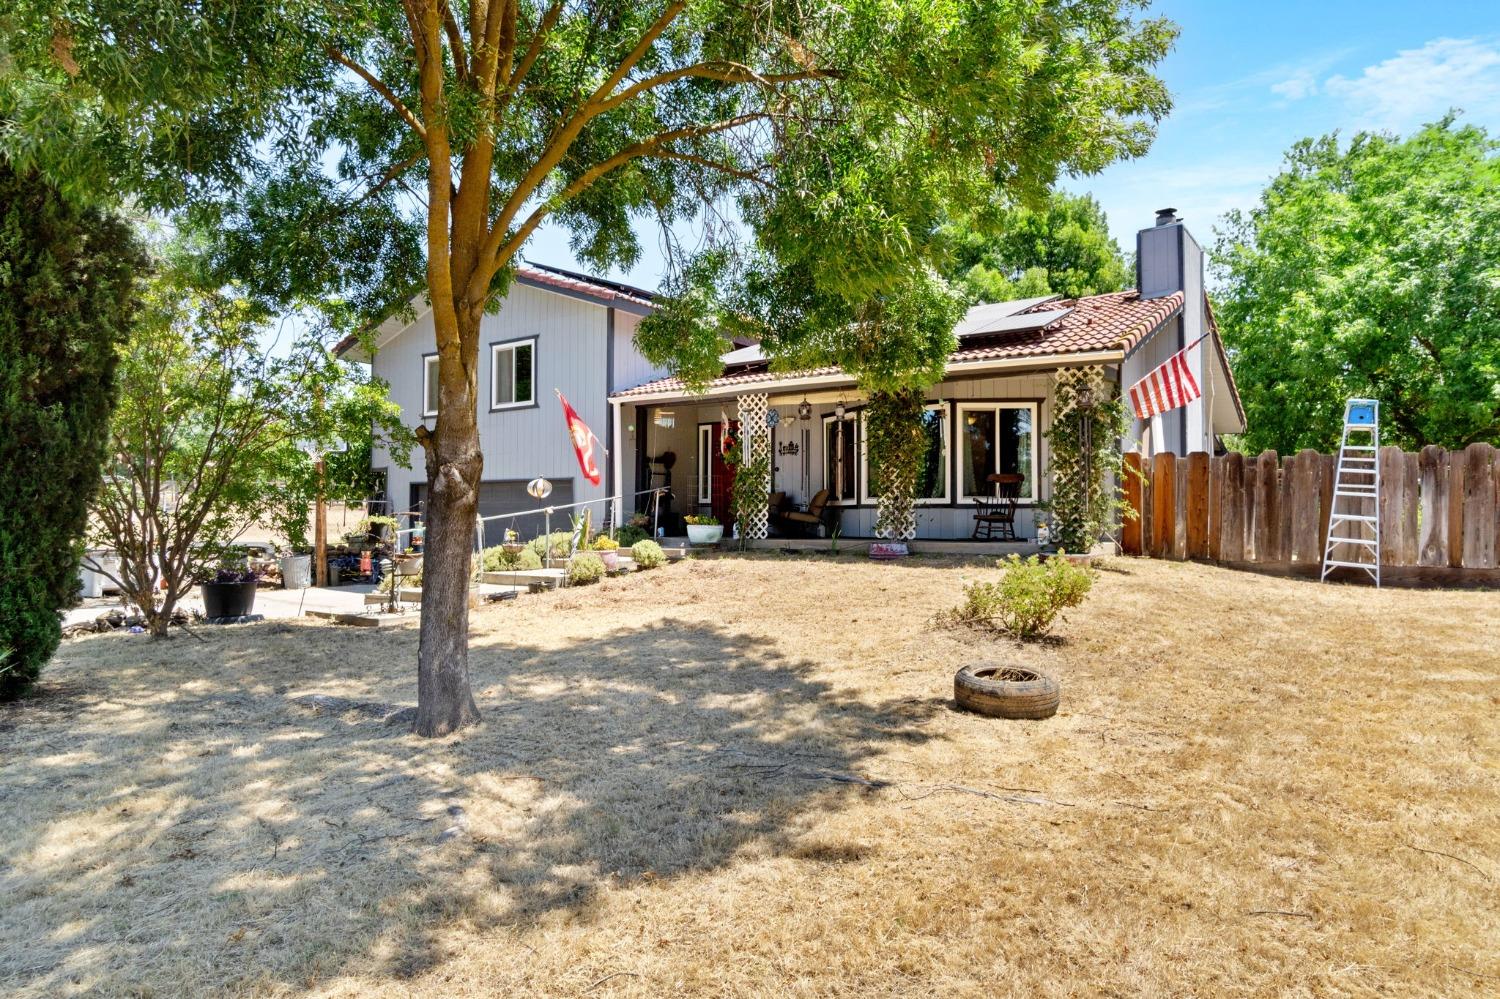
[655, 492]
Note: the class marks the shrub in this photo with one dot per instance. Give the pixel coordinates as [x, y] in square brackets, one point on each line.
[647, 554]
[562, 544]
[1028, 599]
[413, 582]
[497, 559]
[584, 568]
[605, 543]
[628, 535]
[67, 277]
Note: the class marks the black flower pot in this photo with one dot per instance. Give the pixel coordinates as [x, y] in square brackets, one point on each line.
[228, 599]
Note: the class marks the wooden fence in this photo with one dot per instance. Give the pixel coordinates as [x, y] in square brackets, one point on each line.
[1439, 511]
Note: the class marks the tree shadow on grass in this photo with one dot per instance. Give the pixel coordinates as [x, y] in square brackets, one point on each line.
[189, 822]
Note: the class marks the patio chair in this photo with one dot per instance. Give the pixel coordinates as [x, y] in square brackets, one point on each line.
[995, 516]
[776, 508]
[809, 521]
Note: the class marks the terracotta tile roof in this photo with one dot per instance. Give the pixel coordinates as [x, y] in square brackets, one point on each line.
[554, 277]
[1117, 321]
[604, 290]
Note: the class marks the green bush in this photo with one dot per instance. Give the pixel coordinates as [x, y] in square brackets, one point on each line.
[584, 568]
[1029, 597]
[628, 535]
[647, 554]
[67, 295]
[562, 544]
[497, 559]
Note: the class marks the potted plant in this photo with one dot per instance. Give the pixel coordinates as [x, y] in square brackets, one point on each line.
[704, 529]
[365, 535]
[230, 593]
[609, 550]
[511, 544]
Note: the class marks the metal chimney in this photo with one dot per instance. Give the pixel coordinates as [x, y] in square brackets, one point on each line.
[1166, 216]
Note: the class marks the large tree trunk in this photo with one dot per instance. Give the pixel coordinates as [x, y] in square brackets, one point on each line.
[444, 701]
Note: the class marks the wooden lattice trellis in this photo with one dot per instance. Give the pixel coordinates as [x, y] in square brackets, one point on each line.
[755, 438]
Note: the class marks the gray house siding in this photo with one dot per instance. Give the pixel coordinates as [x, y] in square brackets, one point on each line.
[578, 341]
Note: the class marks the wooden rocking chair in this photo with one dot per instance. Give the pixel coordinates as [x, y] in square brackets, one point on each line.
[995, 516]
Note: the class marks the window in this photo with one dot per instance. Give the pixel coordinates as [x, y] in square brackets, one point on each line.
[429, 385]
[932, 477]
[512, 367]
[841, 456]
[706, 447]
[997, 438]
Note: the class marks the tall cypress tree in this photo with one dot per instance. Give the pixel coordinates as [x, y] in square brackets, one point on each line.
[67, 275]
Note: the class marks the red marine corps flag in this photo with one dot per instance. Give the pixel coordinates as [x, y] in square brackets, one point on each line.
[1168, 386]
[583, 440]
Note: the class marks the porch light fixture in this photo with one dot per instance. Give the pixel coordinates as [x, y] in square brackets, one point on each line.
[804, 410]
[838, 410]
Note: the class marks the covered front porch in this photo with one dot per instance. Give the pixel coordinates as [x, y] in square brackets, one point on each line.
[815, 428]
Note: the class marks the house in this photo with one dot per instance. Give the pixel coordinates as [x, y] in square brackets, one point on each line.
[559, 329]
[555, 330]
[987, 416]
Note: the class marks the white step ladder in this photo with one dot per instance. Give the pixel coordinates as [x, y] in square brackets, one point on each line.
[1356, 480]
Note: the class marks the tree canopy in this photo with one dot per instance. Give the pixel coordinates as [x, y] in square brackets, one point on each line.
[1370, 268]
[1060, 247]
[363, 148]
[67, 292]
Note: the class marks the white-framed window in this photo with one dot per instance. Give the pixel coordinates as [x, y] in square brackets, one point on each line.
[706, 446]
[996, 438]
[841, 464]
[513, 374]
[430, 385]
[932, 477]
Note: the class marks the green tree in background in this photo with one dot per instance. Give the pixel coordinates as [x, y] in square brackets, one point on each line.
[67, 279]
[1369, 268]
[1063, 247]
[841, 131]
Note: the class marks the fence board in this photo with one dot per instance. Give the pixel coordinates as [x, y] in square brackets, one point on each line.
[1284, 510]
[1163, 504]
[1216, 466]
[1197, 504]
[1479, 507]
[1410, 486]
[1130, 528]
[1326, 466]
[1267, 502]
[1306, 486]
[1433, 470]
[1249, 491]
[1232, 530]
[1392, 499]
[1179, 537]
[1455, 462]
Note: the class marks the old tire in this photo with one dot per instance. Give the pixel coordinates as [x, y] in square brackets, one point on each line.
[1003, 691]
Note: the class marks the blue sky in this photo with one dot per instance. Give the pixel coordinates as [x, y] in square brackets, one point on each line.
[1249, 79]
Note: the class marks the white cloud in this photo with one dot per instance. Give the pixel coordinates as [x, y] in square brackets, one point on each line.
[1297, 87]
[1420, 85]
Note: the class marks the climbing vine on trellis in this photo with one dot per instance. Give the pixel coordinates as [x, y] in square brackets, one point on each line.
[897, 446]
[1088, 424]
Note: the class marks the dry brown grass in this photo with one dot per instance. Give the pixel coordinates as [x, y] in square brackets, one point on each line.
[1255, 786]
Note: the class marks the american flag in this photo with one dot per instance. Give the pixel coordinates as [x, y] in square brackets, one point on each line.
[1168, 386]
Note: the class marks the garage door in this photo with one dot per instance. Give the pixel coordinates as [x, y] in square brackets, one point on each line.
[510, 496]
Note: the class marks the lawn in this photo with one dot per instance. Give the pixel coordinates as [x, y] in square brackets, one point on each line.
[744, 777]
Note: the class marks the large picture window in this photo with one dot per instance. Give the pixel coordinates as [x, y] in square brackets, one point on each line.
[932, 476]
[997, 438]
[841, 457]
[430, 385]
[512, 371]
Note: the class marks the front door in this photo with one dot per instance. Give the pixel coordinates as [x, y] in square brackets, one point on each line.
[721, 494]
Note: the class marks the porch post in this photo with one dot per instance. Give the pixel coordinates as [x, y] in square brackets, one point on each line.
[755, 436]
